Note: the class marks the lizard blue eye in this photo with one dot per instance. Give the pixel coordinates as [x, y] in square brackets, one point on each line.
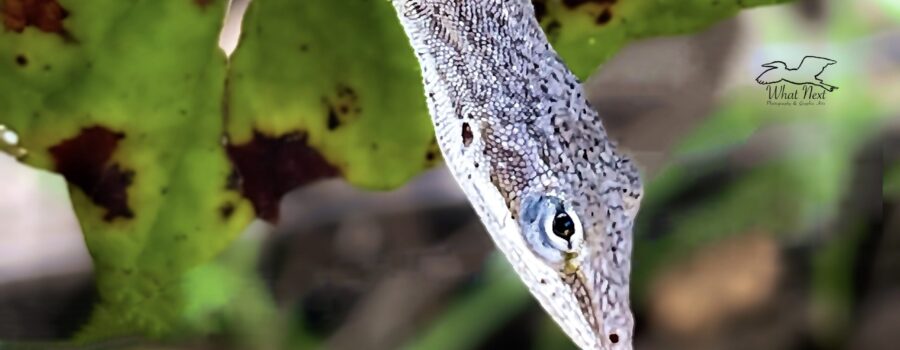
[550, 228]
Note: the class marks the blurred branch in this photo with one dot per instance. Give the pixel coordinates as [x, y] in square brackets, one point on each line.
[492, 305]
[389, 312]
[329, 202]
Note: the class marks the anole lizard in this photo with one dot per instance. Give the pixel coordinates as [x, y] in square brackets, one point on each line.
[532, 157]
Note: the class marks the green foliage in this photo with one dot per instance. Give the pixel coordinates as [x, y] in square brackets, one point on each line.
[227, 295]
[125, 99]
[128, 109]
[342, 74]
[587, 33]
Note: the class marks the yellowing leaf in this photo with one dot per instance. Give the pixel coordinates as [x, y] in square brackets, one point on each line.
[588, 32]
[319, 88]
[123, 98]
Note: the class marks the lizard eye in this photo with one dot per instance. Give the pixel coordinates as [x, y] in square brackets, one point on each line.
[551, 229]
[563, 226]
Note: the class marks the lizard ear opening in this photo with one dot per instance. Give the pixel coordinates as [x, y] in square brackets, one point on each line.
[550, 228]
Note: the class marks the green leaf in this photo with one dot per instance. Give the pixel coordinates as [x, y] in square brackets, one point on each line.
[123, 98]
[587, 33]
[228, 296]
[325, 88]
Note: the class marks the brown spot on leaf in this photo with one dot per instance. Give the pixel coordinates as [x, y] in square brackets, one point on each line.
[605, 16]
[233, 182]
[21, 60]
[46, 15]
[343, 107]
[84, 161]
[466, 134]
[552, 30]
[226, 210]
[203, 3]
[269, 167]
[433, 153]
[333, 121]
[601, 10]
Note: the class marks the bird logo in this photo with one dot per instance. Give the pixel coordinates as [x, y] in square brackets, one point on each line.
[806, 73]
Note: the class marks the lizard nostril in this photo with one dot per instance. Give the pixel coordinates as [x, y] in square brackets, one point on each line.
[614, 338]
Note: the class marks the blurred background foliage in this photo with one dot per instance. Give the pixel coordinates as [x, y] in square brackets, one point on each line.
[763, 226]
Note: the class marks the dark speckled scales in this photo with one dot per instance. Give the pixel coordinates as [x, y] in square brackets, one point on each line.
[512, 121]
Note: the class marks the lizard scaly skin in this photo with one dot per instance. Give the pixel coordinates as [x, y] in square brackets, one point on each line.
[532, 157]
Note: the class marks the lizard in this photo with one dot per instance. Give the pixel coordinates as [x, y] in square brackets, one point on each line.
[532, 157]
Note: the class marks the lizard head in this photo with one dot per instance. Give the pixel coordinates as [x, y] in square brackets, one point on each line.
[560, 202]
[580, 240]
[533, 159]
